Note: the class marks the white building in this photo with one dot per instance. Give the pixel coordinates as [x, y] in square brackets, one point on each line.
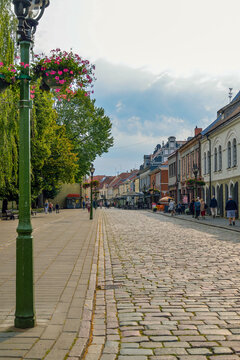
[220, 155]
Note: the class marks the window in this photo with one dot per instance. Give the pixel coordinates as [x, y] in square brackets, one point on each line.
[229, 154]
[215, 160]
[205, 163]
[219, 157]
[209, 162]
[234, 152]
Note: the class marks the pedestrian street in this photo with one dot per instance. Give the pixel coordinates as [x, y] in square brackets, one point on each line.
[166, 289]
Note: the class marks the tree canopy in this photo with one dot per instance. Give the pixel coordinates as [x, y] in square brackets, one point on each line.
[87, 127]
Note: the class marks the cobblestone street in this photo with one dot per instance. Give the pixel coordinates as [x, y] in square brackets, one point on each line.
[167, 289]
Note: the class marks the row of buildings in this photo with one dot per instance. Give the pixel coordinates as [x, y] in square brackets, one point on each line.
[207, 163]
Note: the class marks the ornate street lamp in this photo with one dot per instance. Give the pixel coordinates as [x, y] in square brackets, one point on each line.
[153, 184]
[28, 12]
[195, 172]
[144, 194]
[91, 208]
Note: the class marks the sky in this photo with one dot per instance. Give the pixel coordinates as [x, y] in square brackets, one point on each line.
[162, 67]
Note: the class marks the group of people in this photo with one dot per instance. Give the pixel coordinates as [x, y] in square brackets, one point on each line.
[198, 207]
[48, 207]
[86, 205]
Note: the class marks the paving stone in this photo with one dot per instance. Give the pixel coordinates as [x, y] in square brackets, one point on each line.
[222, 350]
[40, 349]
[163, 338]
[163, 357]
[199, 351]
[151, 344]
[135, 352]
[170, 351]
[225, 357]
[108, 357]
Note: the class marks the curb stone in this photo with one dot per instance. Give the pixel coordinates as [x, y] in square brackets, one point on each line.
[83, 339]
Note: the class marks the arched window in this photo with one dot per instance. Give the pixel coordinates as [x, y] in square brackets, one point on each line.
[215, 160]
[209, 162]
[234, 152]
[205, 163]
[219, 157]
[229, 154]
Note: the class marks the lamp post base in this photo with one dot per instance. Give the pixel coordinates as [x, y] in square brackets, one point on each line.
[24, 323]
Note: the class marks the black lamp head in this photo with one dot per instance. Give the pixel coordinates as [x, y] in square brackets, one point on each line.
[92, 169]
[28, 12]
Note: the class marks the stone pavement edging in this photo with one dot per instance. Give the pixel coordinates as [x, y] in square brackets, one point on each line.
[104, 337]
[84, 336]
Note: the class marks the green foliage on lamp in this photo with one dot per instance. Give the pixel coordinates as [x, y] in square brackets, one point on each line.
[191, 182]
[86, 185]
[95, 183]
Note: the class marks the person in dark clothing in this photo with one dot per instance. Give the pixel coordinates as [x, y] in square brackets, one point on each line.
[197, 205]
[191, 207]
[231, 208]
[57, 208]
[179, 209]
[213, 206]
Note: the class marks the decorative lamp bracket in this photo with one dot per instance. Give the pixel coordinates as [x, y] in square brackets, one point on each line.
[27, 24]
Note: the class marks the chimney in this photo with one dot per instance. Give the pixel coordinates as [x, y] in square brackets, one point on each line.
[197, 131]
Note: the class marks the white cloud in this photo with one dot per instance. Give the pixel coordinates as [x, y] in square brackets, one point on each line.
[119, 106]
[160, 64]
[177, 36]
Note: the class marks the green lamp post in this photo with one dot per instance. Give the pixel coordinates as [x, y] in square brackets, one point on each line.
[91, 205]
[195, 172]
[153, 189]
[28, 12]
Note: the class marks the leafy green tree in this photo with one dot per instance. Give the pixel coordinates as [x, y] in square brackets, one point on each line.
[53, 161]
[87, 127]
[8, 111]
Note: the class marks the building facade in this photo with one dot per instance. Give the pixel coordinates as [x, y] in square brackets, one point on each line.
[220, 156]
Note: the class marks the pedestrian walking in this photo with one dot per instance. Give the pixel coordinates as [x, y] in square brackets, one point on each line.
[231, 208]
[57, 208]
[46, 207]
[213, 206]
[88, 206]
[171, 207]
[179, 209]
[203, 208]
[50, 207]
[191, 207]
[83, 204]
[197, 208]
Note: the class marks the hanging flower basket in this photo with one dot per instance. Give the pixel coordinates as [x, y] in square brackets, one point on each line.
[192, 182]
[62, 71]
[9, 75]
